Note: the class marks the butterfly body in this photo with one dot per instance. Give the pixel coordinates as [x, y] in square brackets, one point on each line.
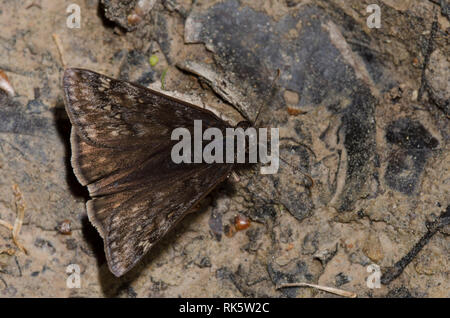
[121, 150]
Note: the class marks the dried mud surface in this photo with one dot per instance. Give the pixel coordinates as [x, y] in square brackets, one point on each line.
[365, 112]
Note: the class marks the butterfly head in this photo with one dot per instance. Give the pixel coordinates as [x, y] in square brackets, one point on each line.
[244, 124]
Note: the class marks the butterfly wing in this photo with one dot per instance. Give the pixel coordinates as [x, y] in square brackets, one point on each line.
[113, 113]
[132, 220]
[121, 150]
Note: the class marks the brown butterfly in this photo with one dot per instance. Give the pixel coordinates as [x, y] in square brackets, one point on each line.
[121, 149]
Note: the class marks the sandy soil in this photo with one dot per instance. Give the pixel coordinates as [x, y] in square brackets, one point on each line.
[364, 111]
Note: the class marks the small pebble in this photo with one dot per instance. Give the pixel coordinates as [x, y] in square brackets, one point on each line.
[64, 227]
[241, 223]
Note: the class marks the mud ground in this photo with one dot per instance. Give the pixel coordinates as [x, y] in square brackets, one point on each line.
[365, 112]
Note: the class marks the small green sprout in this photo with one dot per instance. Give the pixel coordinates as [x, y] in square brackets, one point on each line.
[153, 60]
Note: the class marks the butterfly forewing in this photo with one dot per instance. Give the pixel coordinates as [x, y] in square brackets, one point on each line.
[113, 113]
[121, 150]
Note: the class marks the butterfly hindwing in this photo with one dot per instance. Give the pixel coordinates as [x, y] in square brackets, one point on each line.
[132, 221]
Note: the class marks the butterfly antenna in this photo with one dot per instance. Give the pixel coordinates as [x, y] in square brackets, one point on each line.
[272, 94]
[299, 170]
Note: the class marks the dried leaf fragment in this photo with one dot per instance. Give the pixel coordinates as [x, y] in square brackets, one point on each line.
[5, 85]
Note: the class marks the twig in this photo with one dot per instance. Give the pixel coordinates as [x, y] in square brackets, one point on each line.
[60, 48]
[33, 4]
[332, 290]
[8, 251]
[15, 229]
[18, 266]
[6, 224]
[395, 271]
[20, 210]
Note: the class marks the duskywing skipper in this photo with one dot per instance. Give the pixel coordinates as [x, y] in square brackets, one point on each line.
[121, 149]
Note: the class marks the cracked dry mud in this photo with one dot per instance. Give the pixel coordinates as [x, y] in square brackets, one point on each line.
[364, 111]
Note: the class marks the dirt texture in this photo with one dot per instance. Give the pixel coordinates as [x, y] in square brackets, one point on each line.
[363, 111]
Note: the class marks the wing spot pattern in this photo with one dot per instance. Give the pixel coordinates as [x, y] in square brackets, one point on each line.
[91, 132]
[105, 82]
[85, 91]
